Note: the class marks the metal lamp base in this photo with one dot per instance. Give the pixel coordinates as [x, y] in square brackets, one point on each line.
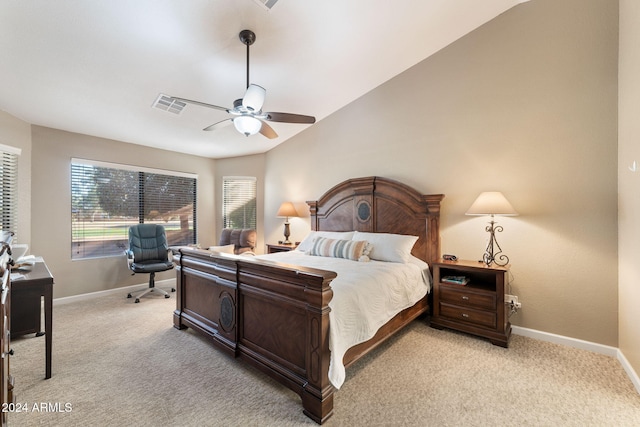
[491, 256]
[287, 233]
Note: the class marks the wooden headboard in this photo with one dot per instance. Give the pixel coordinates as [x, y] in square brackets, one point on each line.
[381, 205]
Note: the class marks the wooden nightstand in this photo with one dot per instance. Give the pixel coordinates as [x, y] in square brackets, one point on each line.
[478, 307]
[272, 249]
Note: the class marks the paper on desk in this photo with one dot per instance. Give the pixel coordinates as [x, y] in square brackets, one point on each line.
[16, 276]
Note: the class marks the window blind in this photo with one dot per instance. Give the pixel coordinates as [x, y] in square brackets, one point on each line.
[239, 202]
[9, 190]
[106, 199]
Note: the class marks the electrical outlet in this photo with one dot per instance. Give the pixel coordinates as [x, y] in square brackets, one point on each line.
[512, 300]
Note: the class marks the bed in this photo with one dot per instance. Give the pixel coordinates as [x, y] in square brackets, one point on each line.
[276, 315]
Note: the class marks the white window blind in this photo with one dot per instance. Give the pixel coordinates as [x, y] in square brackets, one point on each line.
[9, 189]
[239, 202]
[106, 199]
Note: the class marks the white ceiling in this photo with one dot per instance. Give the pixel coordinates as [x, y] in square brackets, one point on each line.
[96, 66]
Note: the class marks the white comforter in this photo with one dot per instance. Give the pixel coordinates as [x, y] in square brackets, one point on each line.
[365, 296]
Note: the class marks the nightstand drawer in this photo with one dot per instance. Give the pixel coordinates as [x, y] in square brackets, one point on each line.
[470, 315]
[468, 297]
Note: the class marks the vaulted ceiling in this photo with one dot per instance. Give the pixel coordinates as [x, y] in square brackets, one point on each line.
[97, 67]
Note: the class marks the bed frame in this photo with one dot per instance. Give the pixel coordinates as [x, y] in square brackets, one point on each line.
[276, 316]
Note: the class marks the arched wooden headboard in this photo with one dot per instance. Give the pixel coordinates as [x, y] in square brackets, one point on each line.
[381, 205]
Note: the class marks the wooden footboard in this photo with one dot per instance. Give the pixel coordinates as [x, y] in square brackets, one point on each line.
[274, 316]
[206, 294]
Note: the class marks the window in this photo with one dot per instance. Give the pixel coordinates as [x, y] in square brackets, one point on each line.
[106, 199]
[239, 202]
[9, 188]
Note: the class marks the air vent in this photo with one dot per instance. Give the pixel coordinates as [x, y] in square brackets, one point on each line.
[267, 4]
[167, 103]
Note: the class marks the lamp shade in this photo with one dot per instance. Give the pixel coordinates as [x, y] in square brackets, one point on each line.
[491, 203]
[287, 210]
[247, 125]
[254, 98]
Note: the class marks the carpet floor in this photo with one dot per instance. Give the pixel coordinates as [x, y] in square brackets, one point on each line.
[117, 363]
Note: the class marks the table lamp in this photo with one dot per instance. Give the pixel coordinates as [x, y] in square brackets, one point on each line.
[492, 203]
[287, 210]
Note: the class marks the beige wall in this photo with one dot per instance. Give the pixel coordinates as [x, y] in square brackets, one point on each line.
[526, 105]
[51, 205]
[16, 133]
[629, 182]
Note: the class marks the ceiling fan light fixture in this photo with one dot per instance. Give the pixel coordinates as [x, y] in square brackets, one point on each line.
[247, 125]
[254, 98]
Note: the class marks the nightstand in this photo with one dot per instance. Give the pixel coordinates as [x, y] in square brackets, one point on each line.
[280, 247]
[477, 307]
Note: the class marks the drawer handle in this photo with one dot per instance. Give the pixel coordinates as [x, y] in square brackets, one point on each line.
[466, 298]
[465, 315]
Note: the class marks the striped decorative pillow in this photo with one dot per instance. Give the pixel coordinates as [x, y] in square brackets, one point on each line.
[336, 248]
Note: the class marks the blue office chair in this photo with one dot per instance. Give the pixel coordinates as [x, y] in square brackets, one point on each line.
[148, 253]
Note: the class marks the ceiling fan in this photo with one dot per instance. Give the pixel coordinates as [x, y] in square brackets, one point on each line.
[248, 117]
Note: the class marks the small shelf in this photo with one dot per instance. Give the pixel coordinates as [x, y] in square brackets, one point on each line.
[477, 279]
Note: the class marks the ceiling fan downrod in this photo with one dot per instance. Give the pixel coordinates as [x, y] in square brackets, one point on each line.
[247, 37]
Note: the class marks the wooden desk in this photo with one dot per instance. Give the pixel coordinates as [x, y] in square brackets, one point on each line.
[26, 297]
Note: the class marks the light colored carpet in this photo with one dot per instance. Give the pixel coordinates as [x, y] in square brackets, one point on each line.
[118, 363]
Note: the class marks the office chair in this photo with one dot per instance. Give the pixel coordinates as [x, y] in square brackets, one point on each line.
[148, 253]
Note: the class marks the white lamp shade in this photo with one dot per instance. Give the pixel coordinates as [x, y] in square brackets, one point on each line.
[254, 97]
[287, 210]
[491, 203]
[247, 125]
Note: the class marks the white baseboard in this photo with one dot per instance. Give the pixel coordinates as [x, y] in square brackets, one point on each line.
[583, 345]
[123, 290]
[571, 342]
[633, 376]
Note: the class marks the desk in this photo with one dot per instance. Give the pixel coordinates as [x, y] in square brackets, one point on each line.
[26, 294]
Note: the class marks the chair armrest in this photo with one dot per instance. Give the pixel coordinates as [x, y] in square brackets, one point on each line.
[129, 255]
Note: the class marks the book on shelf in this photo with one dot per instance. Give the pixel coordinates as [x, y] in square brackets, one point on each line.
[456, 280]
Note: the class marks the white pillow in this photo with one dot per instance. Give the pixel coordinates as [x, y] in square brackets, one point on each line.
[226, 249]
[307, 242]
[388, 247]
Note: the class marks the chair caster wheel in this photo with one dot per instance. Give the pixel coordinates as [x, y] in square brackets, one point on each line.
[166, 296]
[173, 290]
[128, 295]
[137, 300]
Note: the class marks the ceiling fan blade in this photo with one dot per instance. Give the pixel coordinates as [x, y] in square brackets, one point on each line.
[254, 98]
[219, 125]
[268, 131]
[202, 104]
[290, 118]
